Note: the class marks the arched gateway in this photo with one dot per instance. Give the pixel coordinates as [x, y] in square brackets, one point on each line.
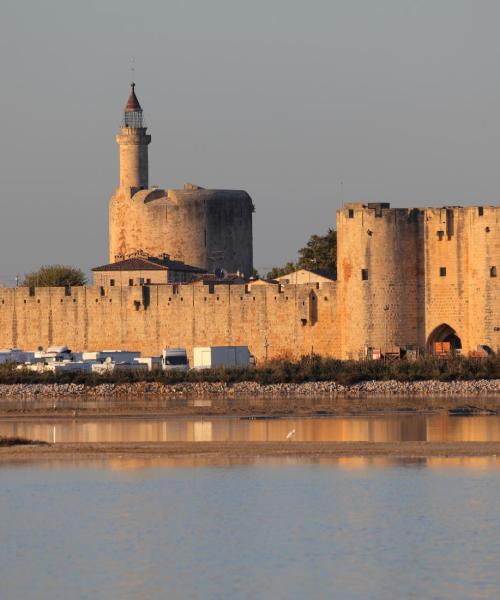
[444, 333]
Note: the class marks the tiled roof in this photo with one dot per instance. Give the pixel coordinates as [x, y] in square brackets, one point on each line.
[148, 264]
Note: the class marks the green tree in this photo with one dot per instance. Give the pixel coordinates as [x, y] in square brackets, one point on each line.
[279, 271]
[320, 253]
[55, 276]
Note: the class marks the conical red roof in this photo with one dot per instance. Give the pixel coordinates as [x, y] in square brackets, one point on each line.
[132, 102]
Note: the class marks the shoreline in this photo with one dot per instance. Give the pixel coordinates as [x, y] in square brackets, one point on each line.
[81, 408]
[475, 387]
[146, 406]
[247, 450]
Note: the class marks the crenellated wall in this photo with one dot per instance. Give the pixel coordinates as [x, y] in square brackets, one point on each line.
[287, 320]
[391, 291]
[465, 242]
[380, 277]
[410, 277]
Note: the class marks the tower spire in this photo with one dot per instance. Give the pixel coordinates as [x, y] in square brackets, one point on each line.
[132, 114]
[133, 142]
[132, 102]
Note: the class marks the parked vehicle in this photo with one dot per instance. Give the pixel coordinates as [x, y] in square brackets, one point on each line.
[57, 367]
[174, 359]
[15, 355]
[119, 356]
[153, 363]
[108, 366]
[212, 357]
[53, 354]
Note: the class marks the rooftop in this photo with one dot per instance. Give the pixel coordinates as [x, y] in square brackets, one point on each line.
[132, 102]
[151, 263]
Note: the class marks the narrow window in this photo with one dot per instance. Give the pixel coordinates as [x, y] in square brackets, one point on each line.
[351, 213]
[32, 291]
[442, 271]
[493, 272]
[480, 211]
[111, 282]
[440, 235]
[131, 282]
[141, 280]
[364, 274]
[148, 281]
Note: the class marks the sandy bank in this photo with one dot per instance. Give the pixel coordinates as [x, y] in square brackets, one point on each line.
[245, 450]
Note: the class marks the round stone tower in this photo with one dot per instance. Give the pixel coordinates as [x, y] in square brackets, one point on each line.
[133, 142]
[206, 228]
[380, 262]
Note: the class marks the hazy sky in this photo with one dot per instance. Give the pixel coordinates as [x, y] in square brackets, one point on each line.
[398, 99]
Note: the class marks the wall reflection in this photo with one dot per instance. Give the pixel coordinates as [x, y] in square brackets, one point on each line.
[392, 428]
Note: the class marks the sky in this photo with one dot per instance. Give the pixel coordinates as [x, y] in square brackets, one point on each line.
[305, 105]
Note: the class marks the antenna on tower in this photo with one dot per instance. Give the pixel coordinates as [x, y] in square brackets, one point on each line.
[132, 68]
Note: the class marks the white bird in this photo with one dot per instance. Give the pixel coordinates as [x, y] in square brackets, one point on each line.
[290, 434]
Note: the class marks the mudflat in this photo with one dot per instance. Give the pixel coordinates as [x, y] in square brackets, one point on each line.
[248, 450]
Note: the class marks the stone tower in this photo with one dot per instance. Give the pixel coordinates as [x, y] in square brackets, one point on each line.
[205, 228]
[133, 142]
[416, 276]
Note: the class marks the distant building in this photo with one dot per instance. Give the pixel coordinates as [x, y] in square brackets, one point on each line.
[306, 276]
[209, 228]
[141, 270]
[409, 280]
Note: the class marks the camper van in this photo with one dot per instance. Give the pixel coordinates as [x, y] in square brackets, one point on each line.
[174, 359]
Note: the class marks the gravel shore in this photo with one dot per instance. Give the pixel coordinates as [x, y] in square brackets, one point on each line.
[480, 387]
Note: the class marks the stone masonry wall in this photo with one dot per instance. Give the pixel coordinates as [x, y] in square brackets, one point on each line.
[203, 228]
[294, 321]
[379, 273]
[465, 242]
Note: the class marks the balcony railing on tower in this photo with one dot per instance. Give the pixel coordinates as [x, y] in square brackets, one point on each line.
[133, 119]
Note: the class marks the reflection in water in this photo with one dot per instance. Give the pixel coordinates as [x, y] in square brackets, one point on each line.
[391, 428]
[348, 463]
[362, 529]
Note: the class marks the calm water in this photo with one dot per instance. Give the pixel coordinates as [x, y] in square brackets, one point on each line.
[383, 428]
[349, 529]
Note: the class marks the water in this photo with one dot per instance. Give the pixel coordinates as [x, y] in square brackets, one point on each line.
[349, 529]
[382, 428]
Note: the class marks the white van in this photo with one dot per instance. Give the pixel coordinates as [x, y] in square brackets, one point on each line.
[174, 359]
[212, 357]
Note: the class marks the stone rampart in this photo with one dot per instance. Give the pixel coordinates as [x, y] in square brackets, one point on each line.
[271, 320]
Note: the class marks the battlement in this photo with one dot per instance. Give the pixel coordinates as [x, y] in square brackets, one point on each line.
[273, 320]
